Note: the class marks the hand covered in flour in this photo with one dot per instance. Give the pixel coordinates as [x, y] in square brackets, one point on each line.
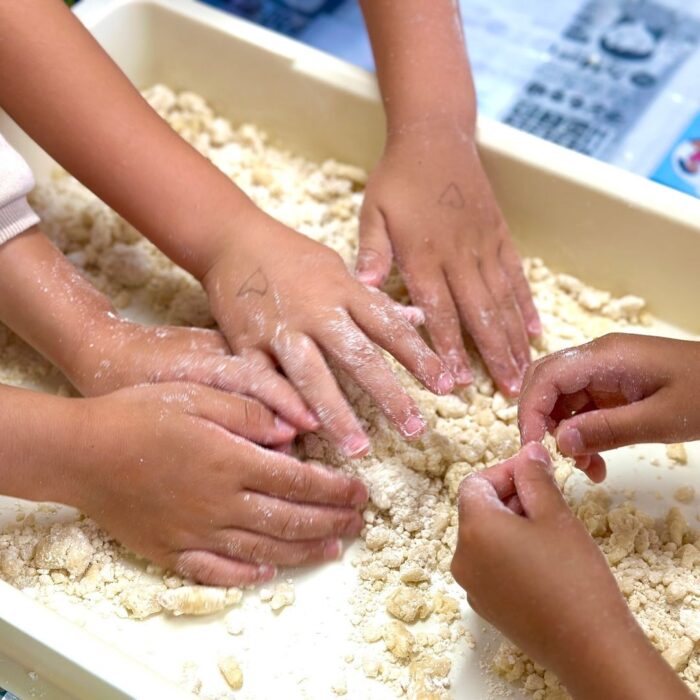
[57, 311]
[173, 472]
[117, 353]
[429, 205]
[530, 568]
[620, 389]
[279, 292]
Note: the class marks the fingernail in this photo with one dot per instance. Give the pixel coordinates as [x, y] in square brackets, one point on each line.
[515, 386]
[361, 495]
[312, 420]
[463, 376]
[355, 445]
[366, 277]
[534, 326]
[415, 315]
[445, 383]
[571, 443]
[413, 427]
[283, 427]
[354, 527]
[583, 463]
[285, 448]
[266, 572]
[332, 550]
[536, 452]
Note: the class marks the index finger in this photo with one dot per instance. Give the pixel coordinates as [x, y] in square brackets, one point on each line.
[477, 497]
[278, 475]
[563, 373]
[379, 318]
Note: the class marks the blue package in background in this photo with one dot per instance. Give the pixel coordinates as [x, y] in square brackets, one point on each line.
[286, 16]
[681, 166]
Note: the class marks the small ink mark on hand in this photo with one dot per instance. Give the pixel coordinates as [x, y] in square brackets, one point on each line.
[452, 197]
[255, 284]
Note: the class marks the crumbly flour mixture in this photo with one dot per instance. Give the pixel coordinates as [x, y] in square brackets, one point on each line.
[406, 609]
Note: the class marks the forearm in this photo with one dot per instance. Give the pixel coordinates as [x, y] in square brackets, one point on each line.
[43, 441]
[422, 62]
[64, 90]
[625, 668]
[47, 303]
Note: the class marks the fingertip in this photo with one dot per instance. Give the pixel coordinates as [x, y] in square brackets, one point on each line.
[463, 376]
[360, 494]
[413, 428]
[285, 431]
[582, 463]
[355, 446]
[537, 452]
[457, 363]
[413, 314]
[570, 442]
[354, 527]
[597, 469]
[514, 387]
[371, 278]
[445, 383]
[311, 421]
[266, 572]
[534, 327]
[332, 550]
[285, 449]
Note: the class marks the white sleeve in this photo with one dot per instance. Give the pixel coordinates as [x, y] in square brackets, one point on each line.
[16, 181]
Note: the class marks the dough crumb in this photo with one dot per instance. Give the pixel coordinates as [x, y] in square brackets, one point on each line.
[231, 672]
[684, 494]
[676, 452]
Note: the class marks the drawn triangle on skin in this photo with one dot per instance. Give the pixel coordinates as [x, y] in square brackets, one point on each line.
[255, 284]
[452, 197]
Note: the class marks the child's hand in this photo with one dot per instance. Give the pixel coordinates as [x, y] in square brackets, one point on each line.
[530, 568]
[429, 204]
[620, 389]
[117, 353]
[279, 292]
[172, 471]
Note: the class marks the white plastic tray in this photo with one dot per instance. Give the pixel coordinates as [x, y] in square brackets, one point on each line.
[614, 230]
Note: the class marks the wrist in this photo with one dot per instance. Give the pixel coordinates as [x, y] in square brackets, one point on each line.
[41, 456]
[91, 346]
[457, 123]
[245, 248]
[84, 451]
[229, 228]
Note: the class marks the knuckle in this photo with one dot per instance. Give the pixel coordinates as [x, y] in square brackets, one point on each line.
[260, 551]
[610, 429]
[189, 565]
[300, 483]
[290, 526]
[253, 412]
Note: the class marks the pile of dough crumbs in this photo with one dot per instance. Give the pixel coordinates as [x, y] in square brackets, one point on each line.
[407, 612]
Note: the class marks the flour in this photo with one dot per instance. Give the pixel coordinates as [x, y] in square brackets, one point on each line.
[406, 610]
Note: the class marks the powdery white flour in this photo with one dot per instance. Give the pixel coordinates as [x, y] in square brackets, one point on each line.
[407, 612]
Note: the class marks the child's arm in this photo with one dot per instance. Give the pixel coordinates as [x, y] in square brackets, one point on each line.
[538, 577]
[58, 312]
[172, 471]
[429, 203]
[270, 288]
[618, 390]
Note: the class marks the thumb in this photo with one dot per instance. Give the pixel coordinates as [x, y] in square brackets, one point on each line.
[608, 428]
[477, 497]
[534, 482]
[374, 255]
